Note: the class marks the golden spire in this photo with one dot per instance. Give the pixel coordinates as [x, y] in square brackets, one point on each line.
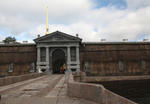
[47, 26]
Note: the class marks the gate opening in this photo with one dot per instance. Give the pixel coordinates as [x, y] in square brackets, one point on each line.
[58, 61]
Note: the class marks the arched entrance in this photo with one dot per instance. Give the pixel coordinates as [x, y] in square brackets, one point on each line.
[58, 60]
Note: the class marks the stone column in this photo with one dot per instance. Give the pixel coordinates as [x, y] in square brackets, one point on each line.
[38, 59]
[78, 58]
[38, 54]
[47, 59]
[68, 58]
[47, 55]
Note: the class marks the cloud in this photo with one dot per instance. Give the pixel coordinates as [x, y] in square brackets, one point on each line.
[119, 24]
[84, 30]
[136, 4]
[20, 15]
[26, 19]
[109, 23]
[1, 37]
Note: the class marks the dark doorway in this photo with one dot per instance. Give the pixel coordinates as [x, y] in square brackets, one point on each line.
[58, 60]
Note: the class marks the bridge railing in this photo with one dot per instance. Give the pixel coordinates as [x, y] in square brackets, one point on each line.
[13, 79]
[94, 92]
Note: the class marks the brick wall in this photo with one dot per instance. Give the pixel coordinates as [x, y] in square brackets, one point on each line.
[20, 55]
[104, 59]
[108, 59]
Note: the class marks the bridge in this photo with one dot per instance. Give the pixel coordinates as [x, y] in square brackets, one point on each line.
[46, 89]
[74, 88]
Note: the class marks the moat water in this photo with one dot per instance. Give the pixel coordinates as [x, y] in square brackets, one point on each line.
[137, 91]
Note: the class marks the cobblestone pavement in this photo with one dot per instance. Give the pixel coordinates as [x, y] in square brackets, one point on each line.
[50, 89]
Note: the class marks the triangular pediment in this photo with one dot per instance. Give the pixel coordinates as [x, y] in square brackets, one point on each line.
[57, 37]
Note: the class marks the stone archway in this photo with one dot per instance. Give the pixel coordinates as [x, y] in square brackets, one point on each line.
[58, 60]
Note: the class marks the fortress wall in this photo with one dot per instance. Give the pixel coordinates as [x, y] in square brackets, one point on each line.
[20, 55]
[108, 59]
[104, 59]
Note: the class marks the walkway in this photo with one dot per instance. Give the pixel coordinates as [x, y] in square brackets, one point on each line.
[50, 89]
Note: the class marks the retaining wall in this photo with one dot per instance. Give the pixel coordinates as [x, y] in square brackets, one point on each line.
[94, 92]
[13, 79]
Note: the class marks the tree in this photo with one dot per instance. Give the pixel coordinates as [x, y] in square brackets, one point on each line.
[9, 40]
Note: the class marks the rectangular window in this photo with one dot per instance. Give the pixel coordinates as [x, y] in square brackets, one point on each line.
[120, 66]
[143, 65]
[86, 65]
[43, 55]
[73, 53]
[11, 68]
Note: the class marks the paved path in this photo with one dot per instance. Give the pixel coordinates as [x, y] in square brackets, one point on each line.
[50, 89]
[60, 93]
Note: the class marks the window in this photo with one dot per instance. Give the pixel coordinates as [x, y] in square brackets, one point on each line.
[143, 65]
[73, 54]
[86, 64]
[43, 55]
[11, 68]
[120, 66]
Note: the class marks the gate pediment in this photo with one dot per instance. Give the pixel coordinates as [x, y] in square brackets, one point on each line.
[58, 37]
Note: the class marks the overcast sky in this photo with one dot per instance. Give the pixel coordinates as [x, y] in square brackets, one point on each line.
[93, 20]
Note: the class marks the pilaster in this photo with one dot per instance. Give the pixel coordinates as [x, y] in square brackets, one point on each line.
[78, 58]
[68, 58]
[38, 59]
[47, 58]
